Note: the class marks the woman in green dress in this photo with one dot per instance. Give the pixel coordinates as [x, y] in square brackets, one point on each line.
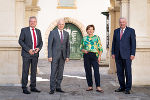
[92, 50]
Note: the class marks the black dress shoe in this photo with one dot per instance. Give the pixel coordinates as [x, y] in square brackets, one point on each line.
[127, 92]
[35, 90]
[51, 92]
[60, 90]
[26, 92]
[119, 90]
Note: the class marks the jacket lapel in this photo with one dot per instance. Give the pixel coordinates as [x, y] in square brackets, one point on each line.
[125, 32]
[64, 35]
[57, 34]
[118, 34]
[37, 34]
[29, 34]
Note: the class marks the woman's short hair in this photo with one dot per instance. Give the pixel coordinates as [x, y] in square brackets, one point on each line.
[89, 26]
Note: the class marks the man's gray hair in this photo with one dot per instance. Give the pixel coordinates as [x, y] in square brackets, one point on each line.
[61, 20]
[122, 18]
[32, 17]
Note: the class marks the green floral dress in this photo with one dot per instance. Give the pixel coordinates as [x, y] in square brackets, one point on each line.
[91, 44]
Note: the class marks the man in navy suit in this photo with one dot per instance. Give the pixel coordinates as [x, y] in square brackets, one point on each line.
[31, 42]
[123, 51]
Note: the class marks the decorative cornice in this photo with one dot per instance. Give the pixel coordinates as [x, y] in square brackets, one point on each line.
[114, 9]
[20, 0]
[125, 1]
[32, 8]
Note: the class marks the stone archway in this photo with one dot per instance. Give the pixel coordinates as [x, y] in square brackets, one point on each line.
[67, 20]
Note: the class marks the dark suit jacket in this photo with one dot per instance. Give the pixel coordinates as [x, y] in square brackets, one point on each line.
[25, 41]
[126, 46]
[55, 47]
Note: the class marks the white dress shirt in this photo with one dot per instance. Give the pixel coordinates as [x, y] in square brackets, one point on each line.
[33, 37]
[60, 33]
[123, 30]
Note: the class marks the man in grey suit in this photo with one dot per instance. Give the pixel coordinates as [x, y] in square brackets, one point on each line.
[31, 42]
[58, 53]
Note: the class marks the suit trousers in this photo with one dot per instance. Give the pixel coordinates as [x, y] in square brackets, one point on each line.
[124, 72]
[57, 68]
[90, 59]
[27, 61]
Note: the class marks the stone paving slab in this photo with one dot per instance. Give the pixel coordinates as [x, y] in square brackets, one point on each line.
[74, 86]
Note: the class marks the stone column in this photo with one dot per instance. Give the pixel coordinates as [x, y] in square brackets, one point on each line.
[114, 12]
[11, 21]
[138, 19]
[148, 16]
[124, 9]
[20, 13]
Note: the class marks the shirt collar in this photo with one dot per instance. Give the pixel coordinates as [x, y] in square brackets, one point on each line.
[32, 28]
[60, 30]
[123, 29]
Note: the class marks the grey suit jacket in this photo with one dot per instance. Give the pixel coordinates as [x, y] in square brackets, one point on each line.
[25, 41]
[55, 47]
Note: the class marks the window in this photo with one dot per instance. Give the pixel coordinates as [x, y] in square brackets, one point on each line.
[66, 4]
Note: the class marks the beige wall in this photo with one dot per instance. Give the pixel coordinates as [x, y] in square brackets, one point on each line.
[139, 20]
[7, 18]
[137, 14]
[11, 20]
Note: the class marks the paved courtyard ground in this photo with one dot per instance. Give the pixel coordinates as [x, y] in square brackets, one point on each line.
[74, 85]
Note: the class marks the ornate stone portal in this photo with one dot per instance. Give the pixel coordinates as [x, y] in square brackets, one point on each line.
[75, 52]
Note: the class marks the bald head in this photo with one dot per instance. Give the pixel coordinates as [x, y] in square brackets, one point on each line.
[61, 24]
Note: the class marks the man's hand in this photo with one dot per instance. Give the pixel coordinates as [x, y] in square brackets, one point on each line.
[31, 52]
[67, 59]
[132, 57]
[36, 50]
[50, 59]
[113, 56]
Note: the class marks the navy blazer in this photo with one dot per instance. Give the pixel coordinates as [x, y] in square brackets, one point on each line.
[25, 41]
[126, 46]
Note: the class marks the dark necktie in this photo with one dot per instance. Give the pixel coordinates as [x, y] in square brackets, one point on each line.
[34, 36]
[61, 37]
[121, 33]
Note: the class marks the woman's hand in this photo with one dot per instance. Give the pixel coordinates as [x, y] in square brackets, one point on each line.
[84, 51]
[99, 59]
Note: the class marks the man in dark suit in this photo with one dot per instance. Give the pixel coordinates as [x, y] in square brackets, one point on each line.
[31, 42]
[58, 53]
[123, 51]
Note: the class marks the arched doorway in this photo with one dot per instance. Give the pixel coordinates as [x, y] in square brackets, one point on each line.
[75, 37]
[76, 31]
